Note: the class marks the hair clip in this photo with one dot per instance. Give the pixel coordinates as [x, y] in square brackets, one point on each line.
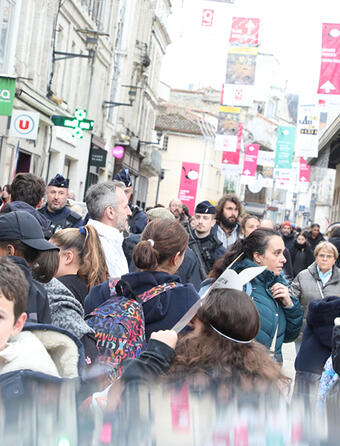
[82, 230]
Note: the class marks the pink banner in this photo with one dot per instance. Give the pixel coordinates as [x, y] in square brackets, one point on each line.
[234, 157]
[250, 160]
[329, 82]
[245, 31]
[180, 410]
[207, 17]
[188, 185]
[304, 171]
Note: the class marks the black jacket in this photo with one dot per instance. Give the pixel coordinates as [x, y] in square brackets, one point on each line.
[302, 256]
[188, 271]
[288, 239]
[163, 311]
[316, 346]
[38, 309]
[336, 349]
[77, 286]
[61, 219]
[22, 206]
[137, 220]
[336, 242]
[314, 241]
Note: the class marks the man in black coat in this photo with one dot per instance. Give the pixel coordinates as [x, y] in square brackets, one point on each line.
[314, 236]
[55, 209]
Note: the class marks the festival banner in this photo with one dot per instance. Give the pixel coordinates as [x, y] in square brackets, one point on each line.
[266, 158]
[241, 65]
[250, 160]
[284, 147]
[307, 127]
[180, 410]
[304, 171]
[207, 17]
[237, 95]
[231, 160]
[244, 31]
[227, 129]
[188, 185]
[329, 81]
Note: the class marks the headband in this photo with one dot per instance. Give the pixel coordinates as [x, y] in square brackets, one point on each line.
[231, 339]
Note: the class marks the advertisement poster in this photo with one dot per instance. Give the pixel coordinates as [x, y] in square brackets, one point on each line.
[329, 81]
[245, 31]
[24, 124]
[284, 147]
[237, 95]
[188, 185]
[7, 92]
[231, 160]
[307, 127]
[227, 129]
[207, 17]
[241, 66]
[304, 171]
[250, 160]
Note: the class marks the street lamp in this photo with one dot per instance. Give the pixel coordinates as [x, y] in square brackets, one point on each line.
[132, 96]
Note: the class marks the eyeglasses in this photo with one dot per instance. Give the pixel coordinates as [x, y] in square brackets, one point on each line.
[325, 256]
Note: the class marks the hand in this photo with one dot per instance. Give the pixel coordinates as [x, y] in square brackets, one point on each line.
[281, 292]
[168, 337]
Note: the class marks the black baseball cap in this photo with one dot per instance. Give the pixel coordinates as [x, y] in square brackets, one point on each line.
[21, 225]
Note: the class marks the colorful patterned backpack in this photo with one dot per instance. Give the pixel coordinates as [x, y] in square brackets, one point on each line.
[120, 327]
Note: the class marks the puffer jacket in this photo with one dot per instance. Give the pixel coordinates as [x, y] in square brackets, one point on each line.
[307, 286]
[272, 313]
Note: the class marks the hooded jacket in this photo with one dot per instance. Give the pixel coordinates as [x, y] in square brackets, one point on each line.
[272, 313]
[288, 240]
[38, 309]
[302, 257]
[316, 345]
[161, 312]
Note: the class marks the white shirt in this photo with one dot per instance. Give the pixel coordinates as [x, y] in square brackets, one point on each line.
[227, 241]
[112, 241]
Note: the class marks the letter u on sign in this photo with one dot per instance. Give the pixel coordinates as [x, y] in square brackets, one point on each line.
[23, 125]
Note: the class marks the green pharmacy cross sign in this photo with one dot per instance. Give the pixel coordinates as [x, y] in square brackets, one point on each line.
[78, 123]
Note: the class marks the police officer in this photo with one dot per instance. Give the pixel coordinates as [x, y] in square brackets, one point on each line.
[202, 241]
[55, 209]
[138, 219]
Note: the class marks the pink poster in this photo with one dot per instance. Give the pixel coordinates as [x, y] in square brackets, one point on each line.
[250, 160]
[188, 185]
[329, 82]
[207, 17]
[304, 171]
[180, 410]
[245, 31]
[234, 157]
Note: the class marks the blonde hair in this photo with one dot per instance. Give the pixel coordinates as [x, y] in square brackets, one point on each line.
[85, 241]
[328, 246]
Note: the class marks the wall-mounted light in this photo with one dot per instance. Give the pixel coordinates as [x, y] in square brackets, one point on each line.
[132, 96]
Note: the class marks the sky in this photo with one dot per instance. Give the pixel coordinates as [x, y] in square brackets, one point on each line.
[289, 29]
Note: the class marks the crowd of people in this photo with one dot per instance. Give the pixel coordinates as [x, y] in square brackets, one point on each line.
[118, 279]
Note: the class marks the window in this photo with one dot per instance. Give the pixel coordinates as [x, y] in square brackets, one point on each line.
[165, 143]
[6, 13]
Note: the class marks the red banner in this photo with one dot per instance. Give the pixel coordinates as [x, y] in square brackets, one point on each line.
[207, 17]
[304, 172]
[188, 185]
[234, 157]
[251, 152]
[245, 31]
[329, 82]
[180, 410]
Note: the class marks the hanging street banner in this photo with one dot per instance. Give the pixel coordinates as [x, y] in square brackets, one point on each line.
[244, 31]
[7, 93]
[24, 124]
[284, 147]
[227, 129]
[231, 160]
[250, 160]
[307, 127]
[304, 171]
[329, 81]
[241, 65]
[266, 158]
[207, 17]
[237, 95]
[188, 185]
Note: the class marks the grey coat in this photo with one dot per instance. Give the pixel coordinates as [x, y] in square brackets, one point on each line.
[308, 286]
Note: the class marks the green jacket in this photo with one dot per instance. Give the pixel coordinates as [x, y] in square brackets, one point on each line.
[272, 313]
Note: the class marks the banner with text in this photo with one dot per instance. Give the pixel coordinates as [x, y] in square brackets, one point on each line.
[307, 127]
[7, 92]
[244, 31]
[227, 129]
[284, 147]
[188, 185]
[231, 160]
[250, 160]
[304, 172]
[329, 81]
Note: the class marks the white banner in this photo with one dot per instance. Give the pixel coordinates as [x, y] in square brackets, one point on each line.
[306, 141]
[24, 124]
[266, 159]
[237, 95]
[226, 143]
[230, 169]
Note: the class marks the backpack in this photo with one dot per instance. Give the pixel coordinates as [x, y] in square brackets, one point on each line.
[120, 327]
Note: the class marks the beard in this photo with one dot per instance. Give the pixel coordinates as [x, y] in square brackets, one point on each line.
[229, 223]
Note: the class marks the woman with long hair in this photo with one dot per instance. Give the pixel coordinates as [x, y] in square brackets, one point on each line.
[157, 256]
[82, 261]
[220, 348]
[280, 313]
